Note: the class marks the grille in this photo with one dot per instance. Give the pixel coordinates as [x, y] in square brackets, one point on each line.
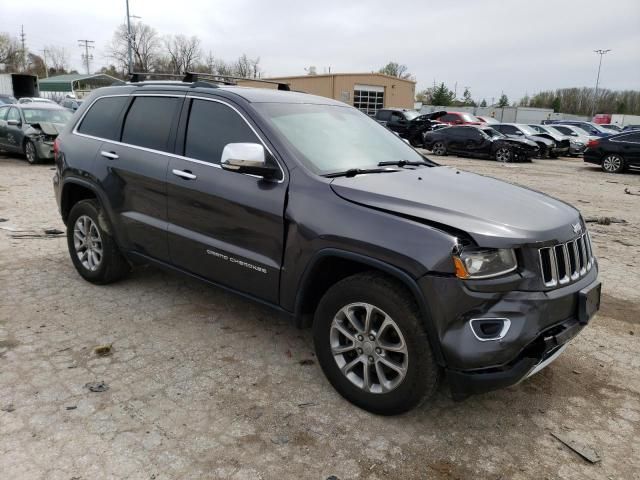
[566, 262]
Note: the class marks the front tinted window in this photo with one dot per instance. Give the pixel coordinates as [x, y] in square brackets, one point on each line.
[148, 122]
[102, 118]
[3, 113]
[508, 129]
[211, 126]
[329, 138]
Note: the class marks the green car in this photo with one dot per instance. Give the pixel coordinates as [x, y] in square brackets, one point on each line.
[31, 128]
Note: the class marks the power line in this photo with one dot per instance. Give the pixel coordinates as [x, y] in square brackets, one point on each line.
[86, 57]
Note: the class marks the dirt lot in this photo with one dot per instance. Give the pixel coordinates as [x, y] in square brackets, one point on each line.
[204, 384]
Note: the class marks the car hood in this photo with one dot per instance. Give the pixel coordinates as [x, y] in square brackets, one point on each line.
[48, 128]
[518, 141]
[493, 212]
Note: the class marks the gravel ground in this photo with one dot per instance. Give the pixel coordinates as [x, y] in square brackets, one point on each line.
[204, 384]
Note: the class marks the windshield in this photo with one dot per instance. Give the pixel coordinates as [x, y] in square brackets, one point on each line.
[330, 138]
[467, 117]
[555, 130]
[411, 114]
[527, 129]
[37, 115]
[491, 133]
[537, 128]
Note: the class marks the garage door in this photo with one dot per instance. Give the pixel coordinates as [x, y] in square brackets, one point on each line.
[368, 98]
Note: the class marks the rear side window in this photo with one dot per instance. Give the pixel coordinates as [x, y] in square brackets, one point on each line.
[3, 113]
[211, 126]
[383, 115]
[148, 123]
[102, 118]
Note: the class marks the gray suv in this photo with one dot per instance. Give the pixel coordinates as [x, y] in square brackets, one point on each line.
[407, 271]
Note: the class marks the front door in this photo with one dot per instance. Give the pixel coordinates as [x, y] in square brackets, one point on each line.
[224, 226]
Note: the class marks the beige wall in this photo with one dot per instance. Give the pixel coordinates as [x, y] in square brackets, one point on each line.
[397, 92]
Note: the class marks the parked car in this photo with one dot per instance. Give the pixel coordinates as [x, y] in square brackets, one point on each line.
[576, 147]
[7, 100]
[615, 154]
[459, 118]
[487, 120]
[484, 142]
[548, 147]
[31, 128]
[578, 134]
[631, 127]
[589, 127]
[408, 124]
[71, 103]
[405, 269]
[611, 126]
[35, 100]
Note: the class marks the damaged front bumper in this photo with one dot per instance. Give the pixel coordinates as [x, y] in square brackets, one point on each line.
[537, 326]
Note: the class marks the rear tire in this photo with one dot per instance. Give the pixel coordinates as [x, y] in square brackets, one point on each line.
[93, 251]
[31, 152]
[613, 163]
[439, 149]
[395, 336]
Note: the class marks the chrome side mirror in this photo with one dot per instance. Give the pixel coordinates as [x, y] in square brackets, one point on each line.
[248, 158]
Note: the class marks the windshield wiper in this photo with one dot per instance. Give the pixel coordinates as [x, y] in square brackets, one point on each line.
[401, 163]
[352, 172]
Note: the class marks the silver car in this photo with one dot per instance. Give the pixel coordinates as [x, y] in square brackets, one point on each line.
[579, 138]
[31, 128]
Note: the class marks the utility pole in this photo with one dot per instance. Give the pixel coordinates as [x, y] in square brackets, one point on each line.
[595, 96]
[86, 57]
[23, 37]
[44, 60]
[129, 37]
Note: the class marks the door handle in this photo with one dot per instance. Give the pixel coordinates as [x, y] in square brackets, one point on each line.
[186, 174]
[109, 155]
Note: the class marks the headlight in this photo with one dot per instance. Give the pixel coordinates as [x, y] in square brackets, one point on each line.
[484, 262]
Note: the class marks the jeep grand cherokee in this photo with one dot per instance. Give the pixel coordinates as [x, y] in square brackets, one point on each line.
[405, 270]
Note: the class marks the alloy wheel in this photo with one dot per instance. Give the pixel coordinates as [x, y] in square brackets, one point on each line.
[87, 243]
[503, 155]
[612, 163]
[30, 152]
[439, 149]
[369, 348]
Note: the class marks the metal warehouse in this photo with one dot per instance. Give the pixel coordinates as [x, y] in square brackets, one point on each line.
[368, 92]
[76, 85]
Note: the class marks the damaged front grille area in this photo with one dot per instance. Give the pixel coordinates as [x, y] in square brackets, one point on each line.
[566, 262]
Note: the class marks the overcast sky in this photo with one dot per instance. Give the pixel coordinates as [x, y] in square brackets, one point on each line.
[491, 46]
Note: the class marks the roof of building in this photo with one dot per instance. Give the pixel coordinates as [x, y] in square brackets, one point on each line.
[64, 83]
[369, 74]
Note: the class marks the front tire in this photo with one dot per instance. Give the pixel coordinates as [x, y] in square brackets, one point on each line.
[372, 346]
[613, 163]
[93, 251]
[504, 155]
[31, 152]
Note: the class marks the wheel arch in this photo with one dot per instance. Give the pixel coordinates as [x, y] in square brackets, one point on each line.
[73, 191]
[329, 266]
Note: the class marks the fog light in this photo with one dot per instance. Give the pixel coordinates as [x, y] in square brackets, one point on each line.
[487, 329]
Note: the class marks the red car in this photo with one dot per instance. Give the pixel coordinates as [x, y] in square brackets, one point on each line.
[459, 118]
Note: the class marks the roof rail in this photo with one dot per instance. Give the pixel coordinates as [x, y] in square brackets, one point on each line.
[231, 80]
[194, 77]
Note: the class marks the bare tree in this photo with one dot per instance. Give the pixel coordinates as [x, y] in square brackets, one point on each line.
[57, 59]
[10, 51]
[184, 52]
[395, 69]
[247, 67]
[145, 45]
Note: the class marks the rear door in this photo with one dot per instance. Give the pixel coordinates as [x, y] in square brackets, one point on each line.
[4, 111]
[13, 134]
[224, 226]
[133, 172]
[629, 147]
